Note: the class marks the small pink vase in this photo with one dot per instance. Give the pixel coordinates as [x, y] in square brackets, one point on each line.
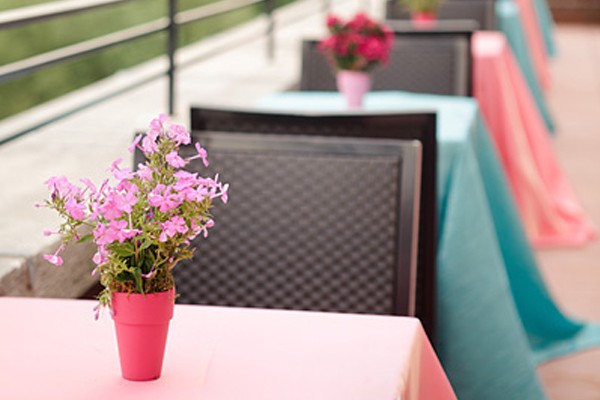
[142, 325]
[423, 19]
[353, 85]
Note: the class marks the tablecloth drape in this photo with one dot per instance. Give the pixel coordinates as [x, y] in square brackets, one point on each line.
[496, 318]
[549, 208]
[547, 26]
[509, 22]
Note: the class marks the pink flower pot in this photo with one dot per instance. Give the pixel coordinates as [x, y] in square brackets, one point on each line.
[353, 85]
[423, 19]
[142, 325]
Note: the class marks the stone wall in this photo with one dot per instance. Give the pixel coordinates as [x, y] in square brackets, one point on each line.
[36, 277]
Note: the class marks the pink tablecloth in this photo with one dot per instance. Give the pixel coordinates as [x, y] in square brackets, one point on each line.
[535, 41]
[53, 349]
[548, 206]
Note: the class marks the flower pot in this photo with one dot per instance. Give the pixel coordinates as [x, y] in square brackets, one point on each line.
[353, 85]
[142, 325]
[423, 19]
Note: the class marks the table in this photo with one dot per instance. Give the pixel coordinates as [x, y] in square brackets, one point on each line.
[549, 208]
[496, 318]
[510, 22]
[53, 349]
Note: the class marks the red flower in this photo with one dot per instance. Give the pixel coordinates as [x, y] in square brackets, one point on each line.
[359, 44]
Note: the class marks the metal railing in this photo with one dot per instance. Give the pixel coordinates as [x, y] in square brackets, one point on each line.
[170, 24]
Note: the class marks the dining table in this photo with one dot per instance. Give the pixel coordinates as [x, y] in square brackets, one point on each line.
[550, 210]
[55, 349]
[496, 318]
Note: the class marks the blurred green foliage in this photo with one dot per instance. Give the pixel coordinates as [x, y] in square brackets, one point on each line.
[19, 94]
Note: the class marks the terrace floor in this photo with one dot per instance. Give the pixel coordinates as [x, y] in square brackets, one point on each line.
[85, 143]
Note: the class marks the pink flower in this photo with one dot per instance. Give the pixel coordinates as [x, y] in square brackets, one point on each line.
[201, 154]
[172, 227]
[135, 143]
[333, 21]
[75, 209]
[174, 160]
[179, 134]
[55, 258]
[144, 172]
[358, 45]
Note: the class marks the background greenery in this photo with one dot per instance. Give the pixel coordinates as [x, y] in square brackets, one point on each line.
[22, 93]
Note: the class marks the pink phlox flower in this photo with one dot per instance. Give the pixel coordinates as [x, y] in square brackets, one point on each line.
[201, 154]
[55, 258]
[225, 193]
[119, 230]
[100, 235]
[172, 227]
[209, 224]
[149, 144]
[75, 209]
[111, 208]
[89, 184]
[161, 198]
[144, 172]
[62, 187]
[118, 172]
[125, 201]
[99, 258]
[158, 122]
[135, 144]
[174, 160]
[179, 134]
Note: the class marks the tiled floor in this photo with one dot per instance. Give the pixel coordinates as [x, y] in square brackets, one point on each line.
[573, 275]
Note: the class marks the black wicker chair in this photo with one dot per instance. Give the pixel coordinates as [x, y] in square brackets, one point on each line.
[483, 12]
[406, 126]
[436, 60]
[313, 223]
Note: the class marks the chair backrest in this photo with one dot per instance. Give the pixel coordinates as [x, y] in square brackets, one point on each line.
[405, 126]
[434, 60]
[312, 223]
[483, 12]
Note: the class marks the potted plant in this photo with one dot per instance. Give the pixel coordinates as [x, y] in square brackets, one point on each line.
[354, 48]
[423, 12]
[142, 223]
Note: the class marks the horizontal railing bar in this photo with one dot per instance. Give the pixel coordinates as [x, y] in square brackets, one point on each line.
[211, 10]
[135, 83]
[27, 15]
[35, 63]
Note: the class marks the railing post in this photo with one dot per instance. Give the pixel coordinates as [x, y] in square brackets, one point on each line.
[269, 7]
[171, 49]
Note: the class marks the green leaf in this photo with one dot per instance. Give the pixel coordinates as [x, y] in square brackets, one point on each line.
[125, 276]
[85, 238]
[125, 249]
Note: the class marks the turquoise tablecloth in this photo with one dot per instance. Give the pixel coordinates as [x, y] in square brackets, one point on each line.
[496, 318]
[546, 24]
[509, 22]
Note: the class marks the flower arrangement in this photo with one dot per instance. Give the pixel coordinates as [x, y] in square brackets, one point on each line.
[359, 44]
[422, 6]
[143, 221]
